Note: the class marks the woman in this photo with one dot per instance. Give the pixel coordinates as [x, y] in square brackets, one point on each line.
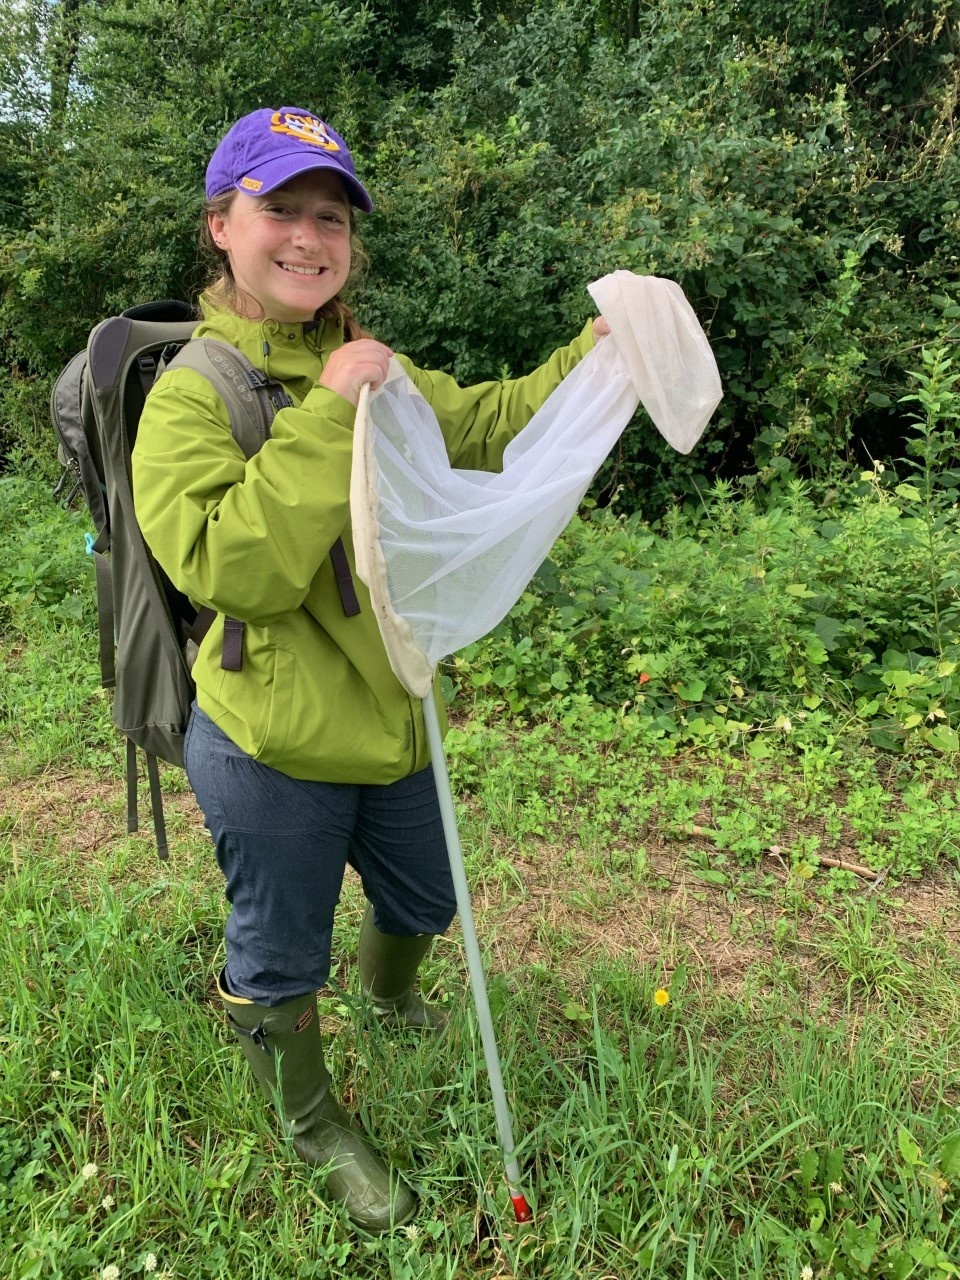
[311, 755]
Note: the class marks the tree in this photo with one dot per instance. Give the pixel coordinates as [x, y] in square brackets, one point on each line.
[793, 167]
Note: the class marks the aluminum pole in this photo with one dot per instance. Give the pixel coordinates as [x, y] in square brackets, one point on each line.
[474, 960]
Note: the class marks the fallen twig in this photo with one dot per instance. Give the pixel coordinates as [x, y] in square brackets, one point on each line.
[705, 833]
[847, 866]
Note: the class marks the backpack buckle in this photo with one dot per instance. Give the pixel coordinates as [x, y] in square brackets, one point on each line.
[171, 350]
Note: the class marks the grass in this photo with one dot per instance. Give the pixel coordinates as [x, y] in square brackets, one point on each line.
[809, 1044]
[791, 1111]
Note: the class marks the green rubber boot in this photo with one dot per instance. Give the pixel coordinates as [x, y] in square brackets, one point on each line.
[322, 1132]
[388, 970]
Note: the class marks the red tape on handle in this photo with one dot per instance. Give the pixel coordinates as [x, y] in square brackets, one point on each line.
[520, 1207]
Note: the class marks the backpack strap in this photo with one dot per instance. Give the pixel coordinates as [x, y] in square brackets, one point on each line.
[253, 400]
[236, 379]
[106, 626]
[341, 567]
[156, 804]
[156, 798]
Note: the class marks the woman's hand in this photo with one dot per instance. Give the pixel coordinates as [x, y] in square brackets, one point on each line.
[353, 364]
[600, 328]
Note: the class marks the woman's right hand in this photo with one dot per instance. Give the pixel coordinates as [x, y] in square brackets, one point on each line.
[353, 364]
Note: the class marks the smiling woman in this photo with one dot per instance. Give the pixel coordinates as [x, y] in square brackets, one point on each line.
[289, 251]
[305, 752]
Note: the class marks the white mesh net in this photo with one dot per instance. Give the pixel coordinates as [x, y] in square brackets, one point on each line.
[446, 553]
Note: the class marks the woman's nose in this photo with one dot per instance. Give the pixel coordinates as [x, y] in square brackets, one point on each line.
[306, 233]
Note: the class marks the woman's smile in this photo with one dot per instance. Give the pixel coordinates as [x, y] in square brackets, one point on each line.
[289, 251]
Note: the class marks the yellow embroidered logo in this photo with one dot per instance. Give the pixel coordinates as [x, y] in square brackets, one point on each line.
[304, 1020]
[250, 184]
[304, 129]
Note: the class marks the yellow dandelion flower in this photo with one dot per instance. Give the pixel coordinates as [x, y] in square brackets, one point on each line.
[661, 997]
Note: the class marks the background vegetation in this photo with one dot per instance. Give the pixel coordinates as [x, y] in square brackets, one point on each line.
[793, 167]
[710, 756]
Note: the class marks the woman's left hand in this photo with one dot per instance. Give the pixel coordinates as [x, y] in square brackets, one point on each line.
[600, 328]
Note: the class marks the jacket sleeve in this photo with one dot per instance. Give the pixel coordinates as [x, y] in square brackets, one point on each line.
[245, 537]
[479, 422]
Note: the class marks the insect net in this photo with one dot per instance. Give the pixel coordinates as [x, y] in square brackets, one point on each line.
[445, 552]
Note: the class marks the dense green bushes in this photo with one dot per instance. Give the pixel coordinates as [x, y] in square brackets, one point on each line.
[736, 615]
[693, 154]
[795, 171]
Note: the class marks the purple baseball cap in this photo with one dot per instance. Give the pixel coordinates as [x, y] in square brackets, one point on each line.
[266, 148]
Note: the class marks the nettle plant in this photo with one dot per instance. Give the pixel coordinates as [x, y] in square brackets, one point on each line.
[917, 689]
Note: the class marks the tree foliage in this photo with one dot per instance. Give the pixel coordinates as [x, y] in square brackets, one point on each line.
[793, 167]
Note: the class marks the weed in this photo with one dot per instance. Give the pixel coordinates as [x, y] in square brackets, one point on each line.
[865, 952]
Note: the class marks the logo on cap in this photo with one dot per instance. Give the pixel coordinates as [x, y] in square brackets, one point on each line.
[250, 184]
[304, 129]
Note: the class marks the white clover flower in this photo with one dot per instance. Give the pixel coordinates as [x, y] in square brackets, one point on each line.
[411, 1232]
[110, 1273]
[107, 1202]
[836, 1188]
[55, 1075]
[88, 1171]
[150, 1262]
[807, 1272]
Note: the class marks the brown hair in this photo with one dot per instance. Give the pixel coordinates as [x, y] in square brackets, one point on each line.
[221, 287]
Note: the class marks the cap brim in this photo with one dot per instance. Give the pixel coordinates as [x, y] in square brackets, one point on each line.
[282, 169]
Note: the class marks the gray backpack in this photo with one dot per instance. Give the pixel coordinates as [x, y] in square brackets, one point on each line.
[149, 630]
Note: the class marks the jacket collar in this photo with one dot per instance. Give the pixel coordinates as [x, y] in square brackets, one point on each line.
[293, 353]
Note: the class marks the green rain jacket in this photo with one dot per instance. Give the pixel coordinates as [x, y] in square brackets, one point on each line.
[316, 697]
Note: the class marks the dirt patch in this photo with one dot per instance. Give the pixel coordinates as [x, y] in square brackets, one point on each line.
[730, 934]
[682, 902]
[80, 814]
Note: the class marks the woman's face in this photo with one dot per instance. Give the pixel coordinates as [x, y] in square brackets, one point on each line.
[289, 250]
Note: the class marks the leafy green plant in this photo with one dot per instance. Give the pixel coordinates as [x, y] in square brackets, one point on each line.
[731, 622]
[932, 451]
[919, 689]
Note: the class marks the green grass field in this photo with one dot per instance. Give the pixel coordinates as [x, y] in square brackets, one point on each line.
[791, 1111]
[794, 1105]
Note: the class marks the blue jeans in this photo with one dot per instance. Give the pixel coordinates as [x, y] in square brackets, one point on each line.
[283, 844]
